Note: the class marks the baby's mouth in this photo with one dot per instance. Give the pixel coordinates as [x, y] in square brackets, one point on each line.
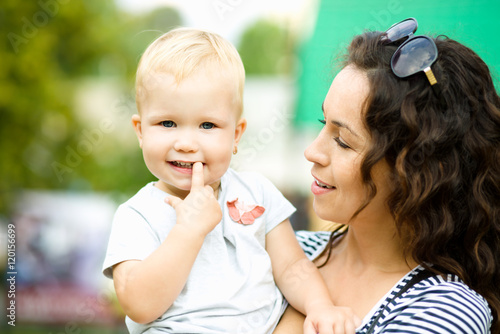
[182, 164]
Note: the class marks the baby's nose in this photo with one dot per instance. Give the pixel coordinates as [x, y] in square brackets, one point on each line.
[186, 142]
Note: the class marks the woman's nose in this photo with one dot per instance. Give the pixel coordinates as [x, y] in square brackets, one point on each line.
[315, 151]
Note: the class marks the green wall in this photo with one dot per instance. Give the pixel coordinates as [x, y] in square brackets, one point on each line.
[474, 23]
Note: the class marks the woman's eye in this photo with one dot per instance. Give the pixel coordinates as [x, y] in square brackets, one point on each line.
[207, 125]
[322, 121]
[168, 124]
[341, 143]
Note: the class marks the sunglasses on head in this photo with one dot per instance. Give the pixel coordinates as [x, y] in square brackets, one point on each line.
[415, 53]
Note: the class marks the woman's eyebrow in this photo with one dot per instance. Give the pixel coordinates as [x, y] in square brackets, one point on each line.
[345, 126]
[340, 124]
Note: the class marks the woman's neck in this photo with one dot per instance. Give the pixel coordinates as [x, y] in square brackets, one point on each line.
[373, 246]
[367, 261]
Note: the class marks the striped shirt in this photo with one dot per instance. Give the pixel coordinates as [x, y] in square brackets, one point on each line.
[433, 305]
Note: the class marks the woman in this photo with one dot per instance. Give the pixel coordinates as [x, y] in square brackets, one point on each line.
[408, 162]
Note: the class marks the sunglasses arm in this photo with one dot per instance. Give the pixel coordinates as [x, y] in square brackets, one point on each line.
[435, 86]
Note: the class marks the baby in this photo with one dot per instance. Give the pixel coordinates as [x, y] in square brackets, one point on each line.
[206, 249]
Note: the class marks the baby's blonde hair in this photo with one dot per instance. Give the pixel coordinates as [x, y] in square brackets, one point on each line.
[184, 51]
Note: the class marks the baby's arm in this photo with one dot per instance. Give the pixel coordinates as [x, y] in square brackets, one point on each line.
[302, 285]
[146, 289]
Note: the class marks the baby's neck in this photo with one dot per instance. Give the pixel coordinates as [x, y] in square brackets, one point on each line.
[216, 187]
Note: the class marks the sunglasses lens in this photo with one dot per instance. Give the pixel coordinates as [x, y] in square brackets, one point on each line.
[414, 56]
[400, 30]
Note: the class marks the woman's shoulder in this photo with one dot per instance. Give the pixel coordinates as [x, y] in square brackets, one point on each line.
[451, 291]
[436, 304]
[449, 284]
[313, 242]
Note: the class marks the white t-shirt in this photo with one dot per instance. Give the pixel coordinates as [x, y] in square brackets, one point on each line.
[231, 288]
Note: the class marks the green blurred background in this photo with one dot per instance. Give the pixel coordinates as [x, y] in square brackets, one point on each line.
[474, 23]
[66, 97]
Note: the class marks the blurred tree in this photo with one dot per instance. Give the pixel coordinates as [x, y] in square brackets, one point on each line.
[137, 32]
[49, 46]
[267, 48]
[114, 166]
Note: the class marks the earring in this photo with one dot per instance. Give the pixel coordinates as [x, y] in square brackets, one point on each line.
[235, 150]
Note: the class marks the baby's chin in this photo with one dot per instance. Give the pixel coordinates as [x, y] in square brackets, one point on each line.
[179, 190]
[183, 187]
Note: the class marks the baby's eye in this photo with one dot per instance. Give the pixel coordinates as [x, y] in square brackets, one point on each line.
[207, 125]
[168, 124]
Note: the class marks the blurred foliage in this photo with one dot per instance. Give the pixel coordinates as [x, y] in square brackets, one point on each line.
[49, 47]
[53, 48]
[266, 48]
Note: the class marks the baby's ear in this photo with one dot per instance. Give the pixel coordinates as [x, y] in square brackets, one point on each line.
[241, 126]
[136, 123]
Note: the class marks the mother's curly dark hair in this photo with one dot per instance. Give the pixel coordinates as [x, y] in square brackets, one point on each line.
[444, 162]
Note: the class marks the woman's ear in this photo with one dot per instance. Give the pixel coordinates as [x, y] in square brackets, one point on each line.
[136, 122]
[241, 126]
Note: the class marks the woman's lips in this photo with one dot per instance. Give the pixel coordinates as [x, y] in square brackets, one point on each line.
[318, 187]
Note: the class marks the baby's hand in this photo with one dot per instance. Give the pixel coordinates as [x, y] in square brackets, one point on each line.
[329, 319]
[199, 211]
